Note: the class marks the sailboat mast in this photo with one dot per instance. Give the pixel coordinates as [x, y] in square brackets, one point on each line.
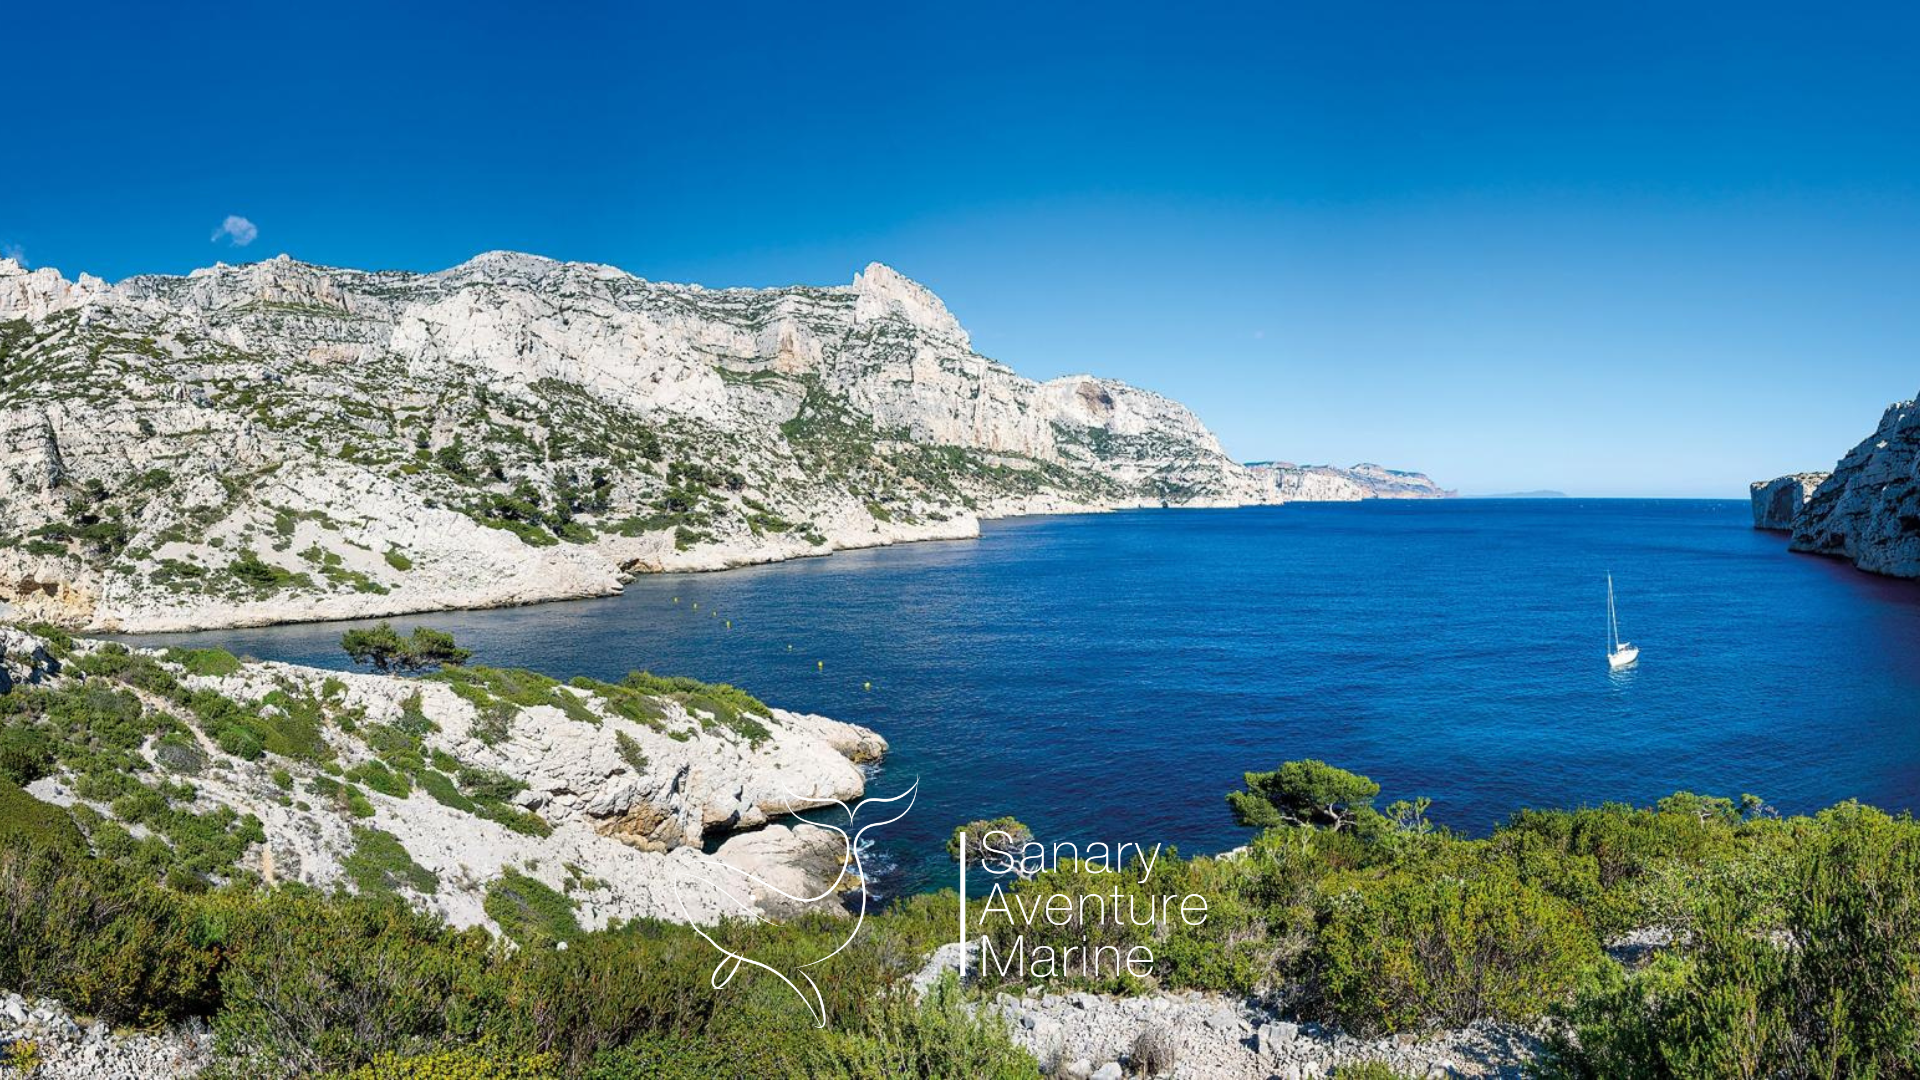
[1613, 621]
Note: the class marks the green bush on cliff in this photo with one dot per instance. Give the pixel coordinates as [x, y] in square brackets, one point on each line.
[1820, 977]
[1409, 951]
[103, 941]
[530, 911]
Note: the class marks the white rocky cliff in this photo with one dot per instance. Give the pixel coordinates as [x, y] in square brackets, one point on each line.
[1325, 483]
[440, 788]
[280, 441]
[1868, 511]
[1777, 502]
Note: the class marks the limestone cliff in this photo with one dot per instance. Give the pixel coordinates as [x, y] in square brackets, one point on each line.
[1777, 502]
[281, 441]
[436, 788]
[1325, 483]
[1869, 510]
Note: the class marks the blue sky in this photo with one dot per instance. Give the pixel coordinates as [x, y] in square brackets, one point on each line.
[1619, 249]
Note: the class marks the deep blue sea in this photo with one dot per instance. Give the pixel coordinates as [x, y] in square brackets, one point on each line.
[1111, 676]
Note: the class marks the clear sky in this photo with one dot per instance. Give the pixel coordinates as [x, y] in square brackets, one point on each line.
[1610, 248]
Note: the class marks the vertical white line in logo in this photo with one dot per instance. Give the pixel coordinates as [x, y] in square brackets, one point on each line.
[963, 905]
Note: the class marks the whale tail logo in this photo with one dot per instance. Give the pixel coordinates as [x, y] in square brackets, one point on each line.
[731, 962]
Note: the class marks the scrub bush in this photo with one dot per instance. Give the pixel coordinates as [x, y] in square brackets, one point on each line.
[1410, 952]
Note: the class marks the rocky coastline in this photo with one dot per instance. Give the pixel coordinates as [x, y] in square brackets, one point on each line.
[1778, 502]
[1327, 483]
[609, 794]
[1867, 510]
[279, 441]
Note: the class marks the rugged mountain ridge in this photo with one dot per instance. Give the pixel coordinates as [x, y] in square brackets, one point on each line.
[1326, 483]
[1868, 510]
[281, 441]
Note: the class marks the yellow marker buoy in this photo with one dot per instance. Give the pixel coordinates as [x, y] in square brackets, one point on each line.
[676, 599]
[820, 664]
[729, 624]
[866, 686]
[696, 605]
[789, 648]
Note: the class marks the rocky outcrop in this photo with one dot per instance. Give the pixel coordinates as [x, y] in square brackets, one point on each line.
[1868, 511]
[608, 793]
[1777, 502]
[1325, 483]
[790, 865]
[281, 441]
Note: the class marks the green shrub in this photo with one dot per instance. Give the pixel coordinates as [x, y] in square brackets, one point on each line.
[529, 911]
[631, 753]
[27, 824]
[1824, 983]
[179, 752]
[488, 785]
[58, 641]
[729, 706]
[377, 776]
[1409, 951]
[26, 754]
[205, 661]
[103, 941]
[521, 821]
[261, 576]
[319, 986]
[1368, 1070]
[443, 790]
[462, 1063]
[380, 865]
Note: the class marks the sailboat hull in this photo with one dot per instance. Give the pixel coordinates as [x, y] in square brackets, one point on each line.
[1623, 656]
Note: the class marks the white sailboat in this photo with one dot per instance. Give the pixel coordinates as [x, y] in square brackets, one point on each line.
[1619, 653]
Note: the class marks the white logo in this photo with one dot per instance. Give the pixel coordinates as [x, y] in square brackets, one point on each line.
[730, 962]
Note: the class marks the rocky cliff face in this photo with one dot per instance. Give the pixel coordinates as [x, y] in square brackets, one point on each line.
[1869, 510]
[435, 788]
[1325, 483]
[280, 441]
[1777, 502]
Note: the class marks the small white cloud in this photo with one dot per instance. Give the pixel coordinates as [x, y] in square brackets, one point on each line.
[13, 251]
[237, 230]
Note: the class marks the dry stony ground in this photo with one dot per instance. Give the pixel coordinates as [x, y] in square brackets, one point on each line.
[1209, 1036]
[1199, 1036]
[59, 1046]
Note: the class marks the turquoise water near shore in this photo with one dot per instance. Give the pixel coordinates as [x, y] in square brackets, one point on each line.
[1108, 677]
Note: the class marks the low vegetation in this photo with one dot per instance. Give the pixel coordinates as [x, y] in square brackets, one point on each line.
[1783, 946]
[1793, 943]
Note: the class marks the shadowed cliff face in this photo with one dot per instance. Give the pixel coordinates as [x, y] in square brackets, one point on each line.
[1777, 502]
[1869, 511]
[280, 441]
